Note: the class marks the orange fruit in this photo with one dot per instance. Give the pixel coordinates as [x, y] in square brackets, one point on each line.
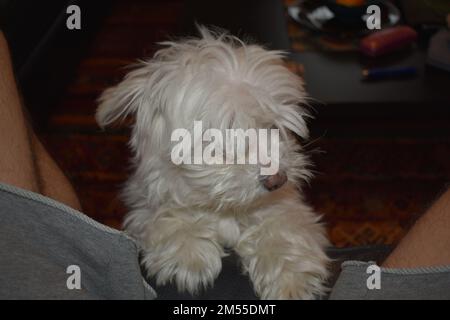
[351, 3]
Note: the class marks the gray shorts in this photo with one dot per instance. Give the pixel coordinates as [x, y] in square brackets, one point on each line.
[50, 251]
[366, 281]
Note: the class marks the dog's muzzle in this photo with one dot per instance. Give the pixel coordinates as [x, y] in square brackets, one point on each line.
[274, 182]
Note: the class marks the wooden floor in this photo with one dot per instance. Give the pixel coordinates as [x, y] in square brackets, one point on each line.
[368, 188]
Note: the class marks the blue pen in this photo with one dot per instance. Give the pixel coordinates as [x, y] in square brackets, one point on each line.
[385, 73]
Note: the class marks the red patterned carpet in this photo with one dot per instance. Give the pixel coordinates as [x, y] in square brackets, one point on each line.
[368, 188]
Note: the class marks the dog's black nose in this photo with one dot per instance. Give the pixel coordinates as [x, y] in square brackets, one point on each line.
[275, 181]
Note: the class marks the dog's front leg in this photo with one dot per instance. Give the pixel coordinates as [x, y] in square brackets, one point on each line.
[182, 247]
[282, 250]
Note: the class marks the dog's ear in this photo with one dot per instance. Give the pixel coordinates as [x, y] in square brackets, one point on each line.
[123, 99]
[138, 94]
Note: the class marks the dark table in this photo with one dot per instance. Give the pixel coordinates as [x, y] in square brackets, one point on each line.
[334, 79]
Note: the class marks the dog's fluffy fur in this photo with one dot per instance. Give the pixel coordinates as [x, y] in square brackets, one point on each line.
[184, 216]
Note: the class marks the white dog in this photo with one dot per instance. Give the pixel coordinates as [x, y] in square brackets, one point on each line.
[186, 216]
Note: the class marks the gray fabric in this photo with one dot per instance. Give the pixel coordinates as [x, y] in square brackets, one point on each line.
[40, 238]
[431, 283]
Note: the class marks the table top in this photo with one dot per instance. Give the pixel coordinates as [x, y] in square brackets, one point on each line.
[332, 78]
[335, 78]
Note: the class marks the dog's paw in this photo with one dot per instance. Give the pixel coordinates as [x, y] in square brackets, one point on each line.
[192, 266]
[293, 286]
[288, 277]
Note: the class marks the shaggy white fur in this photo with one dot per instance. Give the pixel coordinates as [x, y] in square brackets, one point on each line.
[185, 215]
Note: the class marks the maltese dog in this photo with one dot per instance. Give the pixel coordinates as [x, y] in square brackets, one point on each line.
[187, 215]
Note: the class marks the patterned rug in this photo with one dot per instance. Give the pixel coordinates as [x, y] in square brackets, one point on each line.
[368, 189]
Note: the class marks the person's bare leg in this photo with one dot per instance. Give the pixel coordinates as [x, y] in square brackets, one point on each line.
[428, 242]
[53, 183]
[24, 162]
[17, 165]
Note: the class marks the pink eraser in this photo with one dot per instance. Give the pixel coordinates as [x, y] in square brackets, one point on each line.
[387, 40]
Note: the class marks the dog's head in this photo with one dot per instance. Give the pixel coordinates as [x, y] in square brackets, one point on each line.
[214, 82]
